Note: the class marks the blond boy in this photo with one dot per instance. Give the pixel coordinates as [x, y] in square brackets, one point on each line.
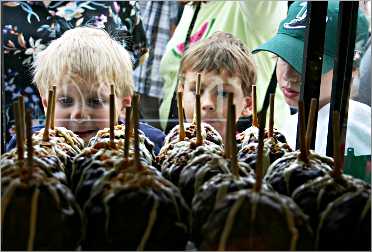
[83, 63]
[226, 67]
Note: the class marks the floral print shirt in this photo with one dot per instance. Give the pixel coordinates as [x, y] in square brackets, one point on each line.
[29, 26]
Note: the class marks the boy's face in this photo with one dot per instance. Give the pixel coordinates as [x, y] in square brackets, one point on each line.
[289, 82]
[213, 97]
[82, 109]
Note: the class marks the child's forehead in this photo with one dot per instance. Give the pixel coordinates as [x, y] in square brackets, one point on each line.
[84, 86]
[212, 78]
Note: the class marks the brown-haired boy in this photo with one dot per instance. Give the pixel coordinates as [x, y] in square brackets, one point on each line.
[226, 67]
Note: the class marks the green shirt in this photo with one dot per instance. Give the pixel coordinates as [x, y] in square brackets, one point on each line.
[253, 22]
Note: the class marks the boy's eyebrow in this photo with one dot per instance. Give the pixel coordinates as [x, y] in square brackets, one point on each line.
[191, 83]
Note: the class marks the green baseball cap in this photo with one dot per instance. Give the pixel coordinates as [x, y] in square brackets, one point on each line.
[288, 43]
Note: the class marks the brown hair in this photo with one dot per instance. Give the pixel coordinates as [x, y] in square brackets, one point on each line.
[221, 52]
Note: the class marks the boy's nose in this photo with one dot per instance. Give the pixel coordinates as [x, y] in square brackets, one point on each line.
[207, 104]
[79, 113]
[291, 75]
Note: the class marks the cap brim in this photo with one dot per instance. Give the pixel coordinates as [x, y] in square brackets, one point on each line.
[291, 50]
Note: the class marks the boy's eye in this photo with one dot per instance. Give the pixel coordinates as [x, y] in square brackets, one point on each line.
[224, 94]
[65, 101]
[96, 102]
[193, 91]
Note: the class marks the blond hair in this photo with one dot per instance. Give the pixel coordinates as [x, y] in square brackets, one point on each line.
[221, 52]
[89, 54]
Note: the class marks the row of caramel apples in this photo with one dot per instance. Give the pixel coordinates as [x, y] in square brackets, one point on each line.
[251, 193]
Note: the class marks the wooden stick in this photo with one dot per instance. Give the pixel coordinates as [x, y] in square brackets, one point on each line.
[271, 119]
[337, 171]
[198, 84]
[310, 122]
[127, 132]
[259, 163]
[180, 82]
[112, 115]
[228, 129]
[303, 149]
[254, 105]
[48, 116]
[52, 122]
[197, 92]
[197, 110]
[21, 104]
[30, 149]
[136, 126]
[18, 129]
[234, 149]
[181, 131]
[199, 139]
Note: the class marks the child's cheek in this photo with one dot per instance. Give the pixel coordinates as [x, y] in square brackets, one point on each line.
[188, 105]
[61, 116]
[102, 118]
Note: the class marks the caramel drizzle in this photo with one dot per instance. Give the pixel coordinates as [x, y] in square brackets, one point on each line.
[296, 164]
[287, 174]
[33, 219]
[319, 198]
[236, 206]
[8, 194]
[255, 197]
[229, 222]
[202, 171]
[221, 192]
[291, 223]
[55, 195]
[107, 221]
[365, 209]
[150, 224]
[329, 208]
[172, 195]
[199, 178]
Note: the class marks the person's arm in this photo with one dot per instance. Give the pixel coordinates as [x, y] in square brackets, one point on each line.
[154, 134]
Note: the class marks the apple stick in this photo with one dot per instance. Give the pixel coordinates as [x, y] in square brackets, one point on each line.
[48, 116]
[254, 105]
[181, 126]
[18, 129]
[199, 139]
[234, 149]
[197, 92]
[228, 135]
[259, 167]
[112, 115]
[303, 147]
[310, 122]
[127, 132]
[337, 171]
[21, 104]
[136, 126]
[52, 122]
[30, 149]
[271, 118]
